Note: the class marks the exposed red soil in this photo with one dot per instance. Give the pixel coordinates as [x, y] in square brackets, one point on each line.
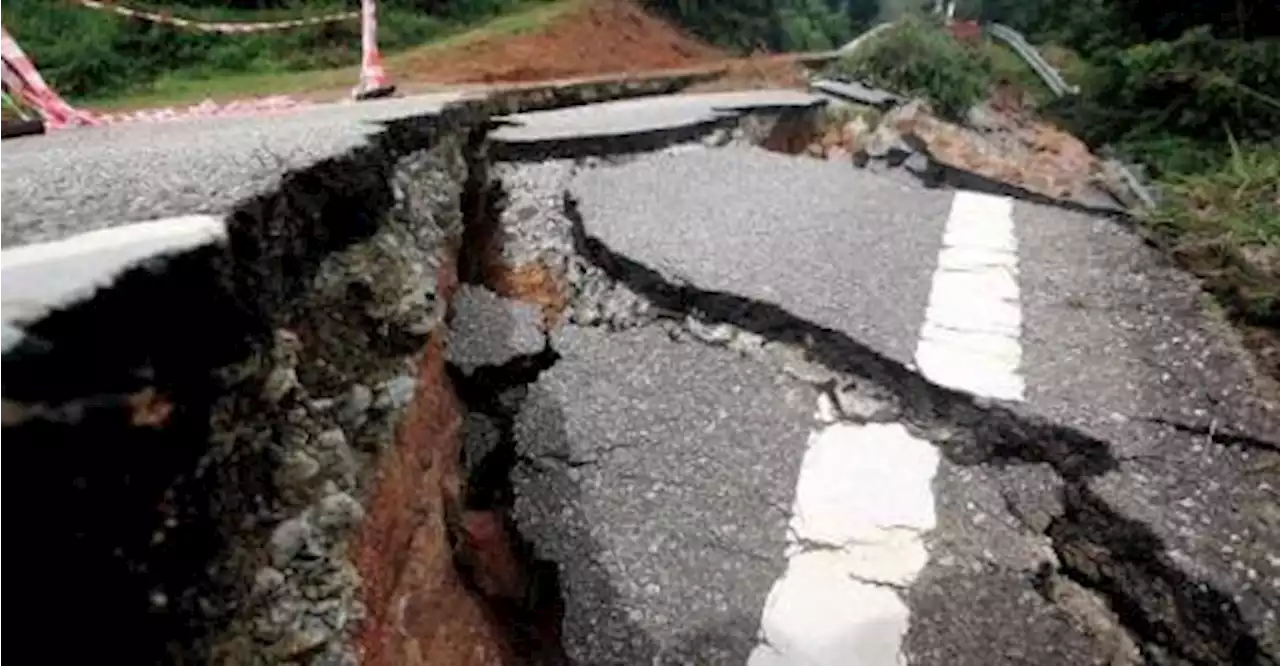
[420, 611]
[603, 37]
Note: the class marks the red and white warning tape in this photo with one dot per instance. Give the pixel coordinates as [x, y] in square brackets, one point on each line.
[224, 27]
[208, 109]
[25, 83]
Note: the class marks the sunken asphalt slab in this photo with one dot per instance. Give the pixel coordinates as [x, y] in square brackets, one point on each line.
[842, 248]
[1123, 345]
[661, 487]
[644, 115]
[854, 253]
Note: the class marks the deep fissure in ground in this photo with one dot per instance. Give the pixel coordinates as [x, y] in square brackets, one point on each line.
[136, 495]
[1175, 618]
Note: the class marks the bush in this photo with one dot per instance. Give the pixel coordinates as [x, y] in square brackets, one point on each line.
[1240, 198]
[918, 58]
[1175, 105]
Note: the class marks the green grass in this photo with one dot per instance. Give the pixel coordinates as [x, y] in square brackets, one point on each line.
[192, 86]
[179, 90]
[1239, 200]
[1224, 224]
[524, 21]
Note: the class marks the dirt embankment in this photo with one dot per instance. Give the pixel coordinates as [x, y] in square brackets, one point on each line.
[600, 37]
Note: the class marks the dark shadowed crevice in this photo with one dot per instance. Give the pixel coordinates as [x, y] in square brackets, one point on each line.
[482, 201]
[522, 591]
[109, 413]
[116, 413]
[1176, 617]
[1224, 436]
[969, 430]
[531, 609]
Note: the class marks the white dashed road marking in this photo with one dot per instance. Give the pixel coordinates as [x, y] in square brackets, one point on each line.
[970, 340]
[864, 499]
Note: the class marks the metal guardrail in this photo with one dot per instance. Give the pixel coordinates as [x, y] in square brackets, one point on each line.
[1028, 53]
[1053, 78]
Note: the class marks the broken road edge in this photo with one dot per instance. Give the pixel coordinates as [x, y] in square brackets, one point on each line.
[253, 451]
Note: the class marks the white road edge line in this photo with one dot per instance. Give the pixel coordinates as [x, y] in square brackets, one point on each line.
[864, 498]
[183, 230]
[40, 276]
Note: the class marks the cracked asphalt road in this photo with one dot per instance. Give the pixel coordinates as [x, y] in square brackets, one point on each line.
[70, 182]
[1112, 339]
[659, 471]
[665, 507]
[833, 246]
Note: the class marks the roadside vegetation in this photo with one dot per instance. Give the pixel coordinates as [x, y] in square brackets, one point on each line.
[1192, 95]
[96, 55]
[918, 58]
[776, 25]
[784, 25]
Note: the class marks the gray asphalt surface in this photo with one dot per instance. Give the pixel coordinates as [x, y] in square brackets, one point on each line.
[1113, 339]
[643, 115]
[479, 315]
[659, 475]
[77, 180]
[842, 248]
[1121, 344]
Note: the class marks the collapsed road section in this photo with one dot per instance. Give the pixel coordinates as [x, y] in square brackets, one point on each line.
[540, 391]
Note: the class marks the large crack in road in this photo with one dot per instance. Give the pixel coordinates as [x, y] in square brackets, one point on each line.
[1171, 614]
[595, 459]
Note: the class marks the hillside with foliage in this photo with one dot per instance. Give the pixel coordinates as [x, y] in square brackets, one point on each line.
[773, 25]
[91, 54]
[1192, 92]
[1167, 82]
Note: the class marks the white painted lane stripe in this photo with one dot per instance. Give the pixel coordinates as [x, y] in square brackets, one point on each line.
[971, 337]
[862, 504]
[864, 499]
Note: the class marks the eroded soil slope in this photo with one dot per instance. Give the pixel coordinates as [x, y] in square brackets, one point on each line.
[601, 37]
